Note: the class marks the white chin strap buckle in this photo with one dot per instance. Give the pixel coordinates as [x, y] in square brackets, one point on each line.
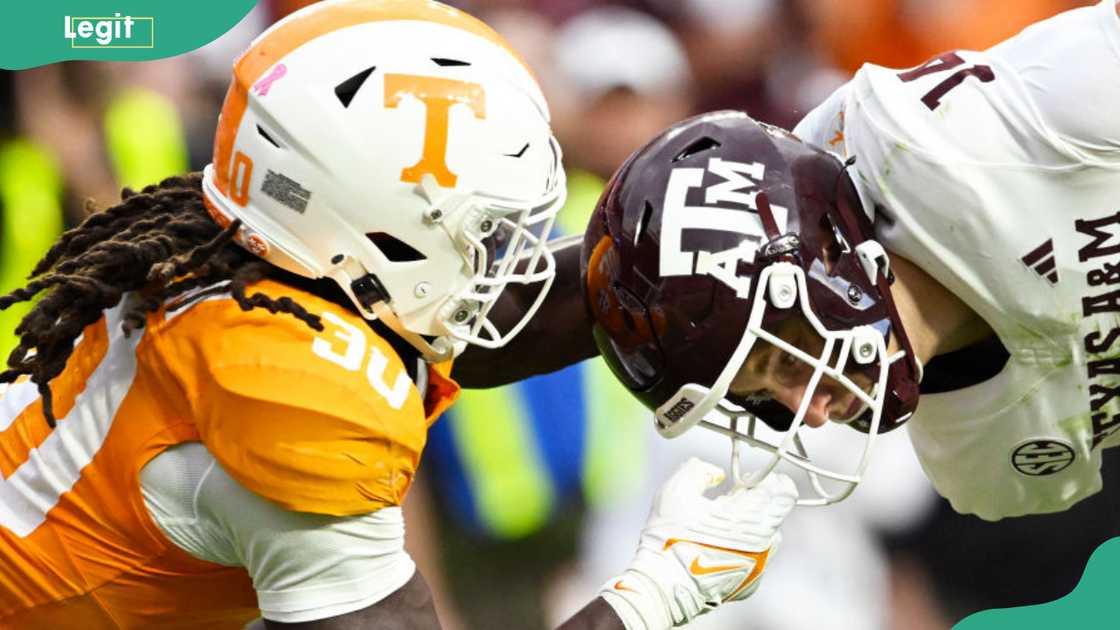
[863, 344]
[874, 260]
[782, 285]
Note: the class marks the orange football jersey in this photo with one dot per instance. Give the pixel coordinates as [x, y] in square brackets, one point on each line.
[326, 422]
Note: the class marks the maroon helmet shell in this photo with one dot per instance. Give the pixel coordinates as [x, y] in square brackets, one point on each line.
[658, 330]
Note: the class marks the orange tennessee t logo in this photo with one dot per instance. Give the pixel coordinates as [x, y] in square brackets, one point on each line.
[437, 95]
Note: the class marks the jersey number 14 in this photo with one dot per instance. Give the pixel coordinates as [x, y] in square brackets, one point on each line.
[943, 63]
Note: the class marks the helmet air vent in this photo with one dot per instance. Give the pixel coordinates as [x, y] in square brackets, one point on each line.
[266, 136]
[519, 153]
[393, 248]
[443, 62]
[346, 90]
[643, 222]
[700, 145]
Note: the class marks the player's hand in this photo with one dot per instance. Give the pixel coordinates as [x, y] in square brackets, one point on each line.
[697, 553]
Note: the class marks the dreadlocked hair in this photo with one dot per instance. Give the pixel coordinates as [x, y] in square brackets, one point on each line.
[159, 243]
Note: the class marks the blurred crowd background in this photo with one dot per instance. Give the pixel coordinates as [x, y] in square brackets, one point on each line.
[531, 496]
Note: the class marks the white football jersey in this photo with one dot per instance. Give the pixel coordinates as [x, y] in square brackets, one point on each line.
[998, 173]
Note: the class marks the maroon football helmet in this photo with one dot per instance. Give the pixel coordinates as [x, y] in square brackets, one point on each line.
[708, 237]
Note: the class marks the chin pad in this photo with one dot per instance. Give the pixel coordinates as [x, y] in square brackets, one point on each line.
[772, 412]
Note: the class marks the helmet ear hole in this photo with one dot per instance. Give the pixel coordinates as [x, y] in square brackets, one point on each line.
[394, 249]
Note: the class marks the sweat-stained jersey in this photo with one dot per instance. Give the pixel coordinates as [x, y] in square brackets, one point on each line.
[317, 422]
[998, 173]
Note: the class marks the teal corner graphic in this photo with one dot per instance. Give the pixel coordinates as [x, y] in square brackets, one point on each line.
[112, 30]
[1090, 606]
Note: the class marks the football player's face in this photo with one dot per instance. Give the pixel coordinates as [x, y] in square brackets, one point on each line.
[772, 373]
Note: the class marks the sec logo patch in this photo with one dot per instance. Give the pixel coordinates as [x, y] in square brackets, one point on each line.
[1039, 457]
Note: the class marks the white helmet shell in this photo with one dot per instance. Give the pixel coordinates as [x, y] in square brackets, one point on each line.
[400, 148]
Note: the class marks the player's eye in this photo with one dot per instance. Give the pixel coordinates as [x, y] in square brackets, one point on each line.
[788, 370]
[787, 366]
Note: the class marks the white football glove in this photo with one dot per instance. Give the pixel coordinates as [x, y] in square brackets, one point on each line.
[697, 553]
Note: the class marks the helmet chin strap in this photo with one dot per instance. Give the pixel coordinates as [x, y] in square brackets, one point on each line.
[876, 264]
[440, 350]
[372, 300]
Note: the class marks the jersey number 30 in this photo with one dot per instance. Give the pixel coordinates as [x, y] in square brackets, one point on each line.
[943, 63]
[354, 354]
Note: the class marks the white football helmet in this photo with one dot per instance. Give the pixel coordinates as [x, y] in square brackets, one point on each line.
[401, 148]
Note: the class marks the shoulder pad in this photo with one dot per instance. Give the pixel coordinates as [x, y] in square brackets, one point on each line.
[318, 421]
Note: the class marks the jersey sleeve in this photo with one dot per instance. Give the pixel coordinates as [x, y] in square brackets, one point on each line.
[304, 567]
[326, 422]
[824, 125]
